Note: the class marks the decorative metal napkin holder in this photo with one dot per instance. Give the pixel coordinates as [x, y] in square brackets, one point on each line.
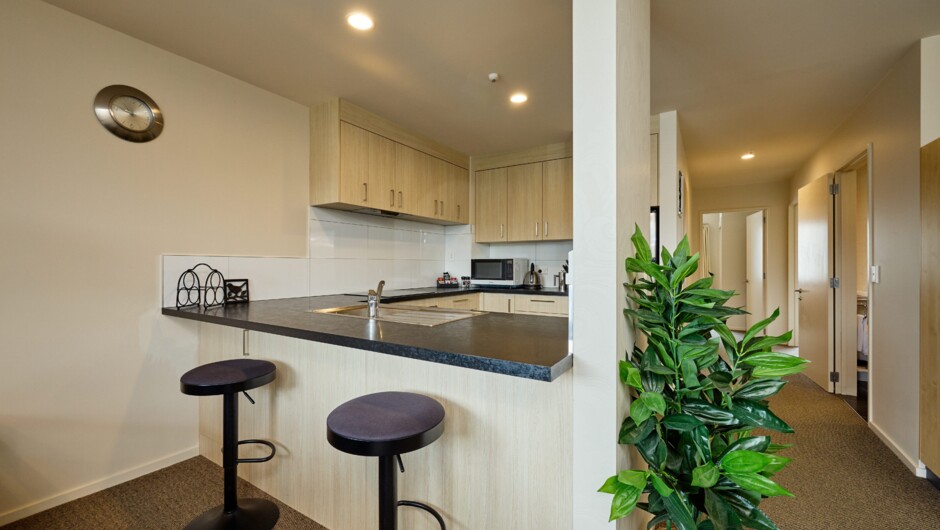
[236, 291]
[191, 293]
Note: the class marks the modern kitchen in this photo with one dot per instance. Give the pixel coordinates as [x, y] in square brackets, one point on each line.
[209, 215]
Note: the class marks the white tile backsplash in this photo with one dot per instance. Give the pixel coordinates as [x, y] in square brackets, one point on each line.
[270, 278]
[329, 239]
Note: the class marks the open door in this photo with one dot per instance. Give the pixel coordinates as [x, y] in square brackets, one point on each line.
[814, 269]
[754, 247]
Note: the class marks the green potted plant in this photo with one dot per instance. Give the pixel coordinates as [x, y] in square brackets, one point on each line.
[695, 405]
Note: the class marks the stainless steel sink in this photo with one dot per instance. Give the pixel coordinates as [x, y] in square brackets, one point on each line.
[403, 314]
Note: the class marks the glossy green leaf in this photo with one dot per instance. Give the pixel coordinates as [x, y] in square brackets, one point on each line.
[631, 433]
[681, 422]
[654, 401]
[759, 389]
[722, 515]
[776, 448]
[650, 269]
[639, 411]
[709, 413]
[765, 343]
[744, 462]
[757, 415]
[757, 328]
[775, 464]
[758, 483]
[653, 382]
[680, 511]
[690, 373]
[633, 477]
[630, 375]
[642, 247]
[749, 443]
[705, 476]
[624, 502]
[774, 361]
[660, 485]
[700, 438]
[758, 520]
[611, 486]
[653, 450]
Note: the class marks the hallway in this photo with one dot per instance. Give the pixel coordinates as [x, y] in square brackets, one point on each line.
[843, 476]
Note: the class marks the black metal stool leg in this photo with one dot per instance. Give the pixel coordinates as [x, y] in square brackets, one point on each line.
[425, 507]
[230, 451]
[388, 493]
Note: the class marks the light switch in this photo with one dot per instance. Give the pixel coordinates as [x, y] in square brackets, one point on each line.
[875, 274]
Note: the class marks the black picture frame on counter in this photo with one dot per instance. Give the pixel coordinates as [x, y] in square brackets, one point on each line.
[654, 232]
[236, 291]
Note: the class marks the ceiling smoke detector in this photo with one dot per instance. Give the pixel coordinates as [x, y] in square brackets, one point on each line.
[494, 77]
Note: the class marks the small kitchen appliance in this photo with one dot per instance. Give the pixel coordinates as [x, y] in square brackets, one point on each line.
[505, 272]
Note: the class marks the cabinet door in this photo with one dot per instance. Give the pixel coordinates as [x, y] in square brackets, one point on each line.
[496, 302]
[557, 198]
[354, 165]
[411, 168]
[491, 205]
[525, 202]
[437, 186]
[382, 192]
[458, 194]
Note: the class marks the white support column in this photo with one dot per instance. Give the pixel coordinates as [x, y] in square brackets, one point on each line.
[611, 49]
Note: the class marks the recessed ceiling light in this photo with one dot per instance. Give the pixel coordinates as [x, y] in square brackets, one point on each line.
[747, 156]
[360, 21]
[519, 97]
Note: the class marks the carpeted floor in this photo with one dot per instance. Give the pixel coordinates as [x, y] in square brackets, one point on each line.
[843, 476]
[166, 499]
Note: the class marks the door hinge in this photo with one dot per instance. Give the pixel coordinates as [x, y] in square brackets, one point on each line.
[834, 377]
[834, 283]
[833, 189]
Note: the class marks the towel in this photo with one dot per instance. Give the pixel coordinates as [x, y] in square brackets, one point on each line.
[862, 325]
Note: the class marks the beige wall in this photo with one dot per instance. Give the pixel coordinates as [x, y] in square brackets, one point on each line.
[861, 228]
[89, 392]
[771, 197]
[929, 95]
[890, 120]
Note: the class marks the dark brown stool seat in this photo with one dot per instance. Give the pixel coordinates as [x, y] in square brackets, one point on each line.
[228, 378]
[387, 425]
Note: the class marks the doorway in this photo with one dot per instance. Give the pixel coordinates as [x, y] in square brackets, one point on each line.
[734, 252]
[832, 288]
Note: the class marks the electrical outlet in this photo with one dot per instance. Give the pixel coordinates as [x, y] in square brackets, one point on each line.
[875, 274]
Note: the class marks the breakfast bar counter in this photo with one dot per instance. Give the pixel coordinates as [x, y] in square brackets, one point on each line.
[531, 347]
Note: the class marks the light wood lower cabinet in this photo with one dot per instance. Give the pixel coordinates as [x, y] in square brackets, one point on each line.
[500, 431]
[469, 301]
[496, 302]
[541, 305]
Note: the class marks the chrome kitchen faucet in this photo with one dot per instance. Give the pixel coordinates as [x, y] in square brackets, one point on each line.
[375, 297]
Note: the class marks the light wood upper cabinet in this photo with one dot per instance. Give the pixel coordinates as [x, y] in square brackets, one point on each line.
[491, 205]
[557, 193]
[382, 172]
[360, 161]
[354, 165]
[525, 202]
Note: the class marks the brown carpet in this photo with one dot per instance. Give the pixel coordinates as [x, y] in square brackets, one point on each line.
[843, 476]
[165, 499]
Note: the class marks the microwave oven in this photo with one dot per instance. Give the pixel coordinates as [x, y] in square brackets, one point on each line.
[501, 272]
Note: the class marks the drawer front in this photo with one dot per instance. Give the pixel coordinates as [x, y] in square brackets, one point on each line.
[467, 301]
[542, 305]
[497, 302]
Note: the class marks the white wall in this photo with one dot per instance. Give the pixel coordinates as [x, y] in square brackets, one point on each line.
[734, 262]
[930, 90]
[670, 223]
[89, 393]
[890, 119]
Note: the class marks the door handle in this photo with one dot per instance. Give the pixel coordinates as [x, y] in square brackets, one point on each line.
[801, 291]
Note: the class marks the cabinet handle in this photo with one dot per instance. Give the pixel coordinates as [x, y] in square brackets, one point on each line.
[435, 206]
[391, 195]
[500, 230]
[365, 191]
[509, 305]
[461, 300]
[546, 230]
[399, 200]
[536, 229]
[458, 211]
[542, 301]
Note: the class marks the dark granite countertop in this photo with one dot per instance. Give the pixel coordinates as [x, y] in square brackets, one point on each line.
[532, 347]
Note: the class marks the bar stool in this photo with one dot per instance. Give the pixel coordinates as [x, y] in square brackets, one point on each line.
[228, 378]
[386, 425]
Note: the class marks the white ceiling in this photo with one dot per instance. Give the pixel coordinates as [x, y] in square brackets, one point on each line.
[774, 76]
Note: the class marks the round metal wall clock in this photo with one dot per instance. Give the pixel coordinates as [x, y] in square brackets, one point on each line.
[128, 113]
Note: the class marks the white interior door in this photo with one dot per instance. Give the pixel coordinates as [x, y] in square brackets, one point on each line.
[734, 263]
[814, 266]
[754, 249]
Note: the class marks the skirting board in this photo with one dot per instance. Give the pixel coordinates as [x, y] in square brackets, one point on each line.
[96, 486]
[916, 466]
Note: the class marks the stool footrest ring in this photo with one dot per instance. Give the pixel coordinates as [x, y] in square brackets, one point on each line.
[257, 460]
[425, 507]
